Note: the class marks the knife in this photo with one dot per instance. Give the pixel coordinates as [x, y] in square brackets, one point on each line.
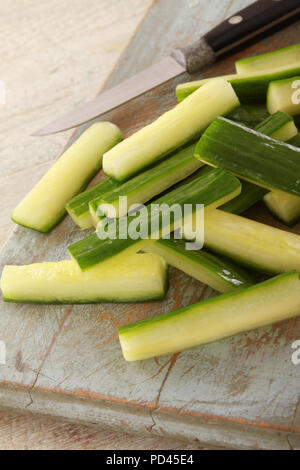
[247, 24]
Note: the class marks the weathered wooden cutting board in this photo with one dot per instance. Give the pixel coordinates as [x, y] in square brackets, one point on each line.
[66, 361]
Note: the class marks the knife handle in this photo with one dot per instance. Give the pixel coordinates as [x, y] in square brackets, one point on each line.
[248, 23]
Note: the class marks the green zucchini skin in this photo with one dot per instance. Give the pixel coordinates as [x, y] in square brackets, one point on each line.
[249, 89]
[279, 126]
[218, 273]
[295, 141]
[214, 188]
[148, 184]
[249, 196]
[173, 129]
[251, 156]
[211, 320]
[274, 60]
[284, 207]
[78, 208]
[280, 96]
[249, 115]
[273, 126]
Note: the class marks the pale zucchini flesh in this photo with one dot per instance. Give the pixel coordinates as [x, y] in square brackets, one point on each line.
[44, 206]
[250, 88]
[275, 60]
[172, 130]
[141, 277]
[252, 244]
[211, 320]
[146, 185]
[212, 189]
[251, 155]
[284, 95]
[218, 273]
[78, 208]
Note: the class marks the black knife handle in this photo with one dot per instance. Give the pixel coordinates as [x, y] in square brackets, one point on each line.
[235, 30]
[250, 21]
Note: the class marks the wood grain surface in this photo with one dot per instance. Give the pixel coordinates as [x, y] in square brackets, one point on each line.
[57, 55]
[66, 361]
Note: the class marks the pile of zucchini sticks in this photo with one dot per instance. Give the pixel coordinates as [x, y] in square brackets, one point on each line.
[229, 142]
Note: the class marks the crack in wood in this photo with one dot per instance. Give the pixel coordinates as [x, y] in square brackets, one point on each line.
[297, 407]
[61, 325]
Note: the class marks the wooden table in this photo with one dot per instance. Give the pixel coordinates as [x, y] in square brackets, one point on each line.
[56, 54]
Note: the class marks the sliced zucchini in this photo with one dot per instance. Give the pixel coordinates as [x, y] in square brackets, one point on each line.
[212, 189]
[218, 273]
[275, 60]
[297, 121]
[249, 196]
[146, 185]
[250, 155]
[211, 320]
[279, 126]
[44, 206]
[252, 244]
[284, 95]
[172, 130]
[249, 88]
[78, 208]
[142, 277]
[250, 116]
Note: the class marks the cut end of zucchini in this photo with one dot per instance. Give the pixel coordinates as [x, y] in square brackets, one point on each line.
[78, 208]
[284, 207]
[84, 222]
[284, 95]
[44, 206]
[146, 185]
[139, 278]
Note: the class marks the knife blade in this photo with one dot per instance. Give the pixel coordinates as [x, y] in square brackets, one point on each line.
[239, 28]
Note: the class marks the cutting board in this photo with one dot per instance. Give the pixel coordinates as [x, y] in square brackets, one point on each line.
[65, 361]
